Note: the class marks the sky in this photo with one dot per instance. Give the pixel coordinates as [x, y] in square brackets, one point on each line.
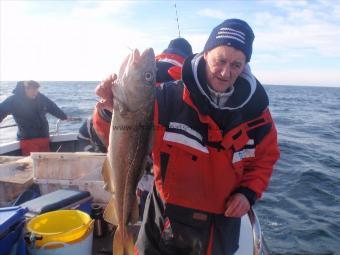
[296, 42]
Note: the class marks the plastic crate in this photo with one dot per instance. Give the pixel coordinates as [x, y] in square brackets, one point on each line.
[66, 166]
[16, 175]
[94, 186]
[82, 171]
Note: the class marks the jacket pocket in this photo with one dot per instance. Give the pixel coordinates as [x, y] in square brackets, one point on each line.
[188, 176]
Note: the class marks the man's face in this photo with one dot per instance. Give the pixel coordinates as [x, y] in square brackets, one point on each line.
[31, 92]
[224, 65]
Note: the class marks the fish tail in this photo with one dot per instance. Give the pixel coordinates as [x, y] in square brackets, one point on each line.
[107, 176]
[129, 245]
[117, 246]
[123, 245]
[110, 212]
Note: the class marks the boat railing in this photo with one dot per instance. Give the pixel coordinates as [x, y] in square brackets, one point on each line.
[57, 125]
[55, 137]
[8, 126]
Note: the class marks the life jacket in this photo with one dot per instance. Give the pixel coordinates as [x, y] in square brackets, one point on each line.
[199, 165]
[173, 66]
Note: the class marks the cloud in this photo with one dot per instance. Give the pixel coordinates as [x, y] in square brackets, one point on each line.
[102, 9]
[212, 13]
[293, 29]
[76, 45]
[301, 28]
[289, 5]
[86, 40]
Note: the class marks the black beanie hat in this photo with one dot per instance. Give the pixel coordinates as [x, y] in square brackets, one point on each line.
[232, 32]
[179, 46]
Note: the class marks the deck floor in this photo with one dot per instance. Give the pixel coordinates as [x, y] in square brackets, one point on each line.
[102, 245]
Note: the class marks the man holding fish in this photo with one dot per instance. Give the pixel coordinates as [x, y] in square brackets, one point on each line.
[96, 129]
[214, 145]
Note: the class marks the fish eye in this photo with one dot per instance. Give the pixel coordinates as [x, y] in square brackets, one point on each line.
[148, 76]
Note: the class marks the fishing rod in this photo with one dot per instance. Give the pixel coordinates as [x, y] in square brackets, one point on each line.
[179, 31]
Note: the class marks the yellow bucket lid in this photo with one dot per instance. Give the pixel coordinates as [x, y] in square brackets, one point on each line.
[65, 226]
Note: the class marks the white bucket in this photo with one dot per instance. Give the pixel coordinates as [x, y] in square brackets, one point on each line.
[62, 232]
[83, 247]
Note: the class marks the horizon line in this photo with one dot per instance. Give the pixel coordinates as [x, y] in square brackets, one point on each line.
[265, 84]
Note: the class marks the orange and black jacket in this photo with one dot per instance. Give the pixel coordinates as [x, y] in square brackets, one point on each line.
[203, 153]
[169, 67]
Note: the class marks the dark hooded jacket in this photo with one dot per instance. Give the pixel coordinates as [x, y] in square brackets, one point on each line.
[30, 114]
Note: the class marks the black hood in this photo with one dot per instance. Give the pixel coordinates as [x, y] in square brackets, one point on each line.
[19, 89]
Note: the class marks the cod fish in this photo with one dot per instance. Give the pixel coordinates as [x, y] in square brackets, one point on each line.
[129, 143]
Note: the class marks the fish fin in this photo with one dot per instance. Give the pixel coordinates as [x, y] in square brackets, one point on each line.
[117, 94]
[118, 101]
[122, 245]
[106, 173]
[122, 109]
[110, 214]
[135, 56]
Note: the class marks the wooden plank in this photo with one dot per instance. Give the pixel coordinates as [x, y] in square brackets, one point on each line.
[18, 170]
[16, 175]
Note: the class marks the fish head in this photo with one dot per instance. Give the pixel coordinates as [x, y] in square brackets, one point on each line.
[137, 79]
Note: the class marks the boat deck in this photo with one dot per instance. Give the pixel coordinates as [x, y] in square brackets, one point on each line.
[103, 245]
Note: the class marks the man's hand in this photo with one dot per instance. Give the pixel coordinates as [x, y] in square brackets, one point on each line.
[237, 206]
[104, 91]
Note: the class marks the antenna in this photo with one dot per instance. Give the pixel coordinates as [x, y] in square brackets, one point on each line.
[179, 31]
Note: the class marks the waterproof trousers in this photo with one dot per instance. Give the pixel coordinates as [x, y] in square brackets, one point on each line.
[34, 145]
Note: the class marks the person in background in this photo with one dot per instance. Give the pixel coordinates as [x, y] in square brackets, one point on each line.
[96, 129]
[29, 107]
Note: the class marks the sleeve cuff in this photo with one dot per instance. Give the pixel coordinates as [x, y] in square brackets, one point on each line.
[248, 193]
